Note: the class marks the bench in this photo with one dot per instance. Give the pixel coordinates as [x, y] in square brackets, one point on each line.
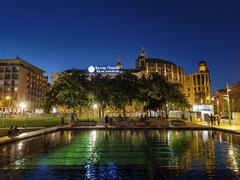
[86, 123]
[178, 123]
[142, 123]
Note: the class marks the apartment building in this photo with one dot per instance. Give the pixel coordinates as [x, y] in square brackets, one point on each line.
[22, 85]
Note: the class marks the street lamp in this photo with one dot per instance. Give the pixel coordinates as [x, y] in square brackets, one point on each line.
[23, 105]
[94, 107]
[229, 110]
[8, 98]
[218, 107]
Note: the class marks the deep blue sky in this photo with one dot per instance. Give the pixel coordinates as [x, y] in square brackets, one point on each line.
[61, 34]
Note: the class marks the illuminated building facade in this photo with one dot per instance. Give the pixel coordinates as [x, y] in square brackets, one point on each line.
[221, 99]
[21, 82]
[148, 66]
[197, 86]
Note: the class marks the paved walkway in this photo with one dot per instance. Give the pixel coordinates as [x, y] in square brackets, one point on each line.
[224, 125]
[234, 128]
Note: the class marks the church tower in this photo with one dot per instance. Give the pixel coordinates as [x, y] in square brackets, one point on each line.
[119, 65]
[141, 61]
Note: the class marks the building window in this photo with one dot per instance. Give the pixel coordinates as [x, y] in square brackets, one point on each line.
[194, 80]
[7, 83]
[207, 82]
[7, 76]
[14, 83]
[202, 77]
[14, 76]
[8, 69]
[1, 76]
[188, 89]
[7, 90]
[199, 89]
[1, 69]
[15, 69]
[12, 89]
[198, 79]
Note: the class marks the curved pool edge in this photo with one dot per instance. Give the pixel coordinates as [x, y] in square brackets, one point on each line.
[6, 140]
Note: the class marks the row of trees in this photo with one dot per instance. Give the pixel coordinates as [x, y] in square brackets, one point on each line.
[74, 90]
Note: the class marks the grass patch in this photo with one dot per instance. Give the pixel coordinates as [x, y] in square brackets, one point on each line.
[30, 121]
[37, 121]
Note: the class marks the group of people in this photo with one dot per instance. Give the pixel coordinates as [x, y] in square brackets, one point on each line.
[214, 120]
[13, 131]
[110, 120]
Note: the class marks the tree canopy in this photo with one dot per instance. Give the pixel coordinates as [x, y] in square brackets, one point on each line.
[74, 90]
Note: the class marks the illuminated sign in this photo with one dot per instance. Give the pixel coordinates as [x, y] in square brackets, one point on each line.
[91, 69]
[104, 69]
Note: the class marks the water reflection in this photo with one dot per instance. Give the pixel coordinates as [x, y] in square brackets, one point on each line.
[114, 154]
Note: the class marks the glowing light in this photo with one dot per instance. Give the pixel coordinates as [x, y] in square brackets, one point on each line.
[92, 140]
[91, 69]
[233, 160]
[95, 106]
[8, 97]
[23, 105]
[20, 145]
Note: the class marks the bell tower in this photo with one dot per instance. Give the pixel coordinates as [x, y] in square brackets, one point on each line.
[141, 61]
[118, 65]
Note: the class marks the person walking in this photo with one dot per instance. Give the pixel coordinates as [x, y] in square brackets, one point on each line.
[106, 120]
[218, 119]
[211, 119]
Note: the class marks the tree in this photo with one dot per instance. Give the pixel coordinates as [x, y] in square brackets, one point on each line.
[123, 90]
[101, 88]
[157, 93]
[70, 91]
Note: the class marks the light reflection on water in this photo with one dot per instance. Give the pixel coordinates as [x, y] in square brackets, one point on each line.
[114, 154]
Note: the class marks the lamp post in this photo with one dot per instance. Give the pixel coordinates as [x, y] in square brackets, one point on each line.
[218, 107]
[23, 105]
[94, 107]
[8, 98]
[228, 103]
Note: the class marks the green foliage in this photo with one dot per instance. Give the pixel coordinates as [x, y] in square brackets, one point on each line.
[124, 90]
[74, 90]
[70, 91]
[100, 87]
[156, 93]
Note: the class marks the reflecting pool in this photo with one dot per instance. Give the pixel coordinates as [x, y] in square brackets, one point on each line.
[124, 154]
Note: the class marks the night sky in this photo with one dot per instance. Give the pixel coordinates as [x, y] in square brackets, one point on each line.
[63, 34]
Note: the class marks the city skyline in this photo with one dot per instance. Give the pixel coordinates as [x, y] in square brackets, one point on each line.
[57, 35]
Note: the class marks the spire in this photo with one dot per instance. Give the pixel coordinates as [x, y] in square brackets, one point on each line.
[17, 57]
[119, 65]
[142, 54]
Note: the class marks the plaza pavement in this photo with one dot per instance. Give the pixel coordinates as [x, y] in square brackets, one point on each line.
[224, 125]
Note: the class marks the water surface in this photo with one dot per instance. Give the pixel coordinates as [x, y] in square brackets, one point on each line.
[124, 154]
